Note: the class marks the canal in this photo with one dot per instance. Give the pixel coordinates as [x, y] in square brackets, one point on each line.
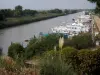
[27, 31]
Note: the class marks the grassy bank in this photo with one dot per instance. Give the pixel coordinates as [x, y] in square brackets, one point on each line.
[15, 21]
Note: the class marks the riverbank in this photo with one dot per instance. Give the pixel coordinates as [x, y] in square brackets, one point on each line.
[16, 21]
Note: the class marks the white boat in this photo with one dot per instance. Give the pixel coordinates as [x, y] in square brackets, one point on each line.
[84, 17]
[72, 28]
[80, 25]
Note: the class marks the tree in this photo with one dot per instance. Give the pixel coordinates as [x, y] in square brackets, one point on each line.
[15, 50]
[29, 12]
[66, 11]
[93, 1]
[69, 54]
[97, 9]
[9, 13]
[89, 62]
[2, 17]
[4, 13]
[18, 10]
[55, 11]
[40, 45]
[80, 41]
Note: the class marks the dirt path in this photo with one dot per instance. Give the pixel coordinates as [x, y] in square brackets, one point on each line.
[97, 22]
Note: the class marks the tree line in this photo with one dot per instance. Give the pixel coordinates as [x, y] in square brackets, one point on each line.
[18, 12]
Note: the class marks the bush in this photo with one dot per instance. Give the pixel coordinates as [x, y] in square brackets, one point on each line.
[14, 68]
[81, 41]
[68, 54]
[52, 65]
[88, 62]
[83, 61]
[15, 50]
[37, 46]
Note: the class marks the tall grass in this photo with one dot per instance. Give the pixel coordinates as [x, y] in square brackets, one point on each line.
[10, 67]
[52, 64]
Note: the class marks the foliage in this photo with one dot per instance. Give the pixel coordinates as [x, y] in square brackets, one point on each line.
[93, 0]
[11, 68]
[15, 50]
[18, 10]
[89, 62]
[55, 11]
[39, 45]
[1, 51]
[97, 37]
[18, 16]
[81, 41]
[2, 16]
[6, 13]
[29, 12]
[66, 11]
[97, 9]
[52, 65]
[69, 54]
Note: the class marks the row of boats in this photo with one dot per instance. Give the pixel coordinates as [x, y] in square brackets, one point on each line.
[79, 25]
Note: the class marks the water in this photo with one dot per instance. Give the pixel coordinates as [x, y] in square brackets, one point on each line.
[21, 33]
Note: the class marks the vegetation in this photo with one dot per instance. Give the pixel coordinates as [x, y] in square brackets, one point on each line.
[10, 67]
[81, 41]
[52, 64]
[15, 50]
[37, 46]
[97, 9]
[19, 16]
[56, 61]
[84, 62]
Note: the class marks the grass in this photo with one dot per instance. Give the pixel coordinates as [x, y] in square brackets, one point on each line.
[52, 64]
[10, 67]
[15, 21]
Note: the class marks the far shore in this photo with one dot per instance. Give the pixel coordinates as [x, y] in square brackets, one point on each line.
[11, 22]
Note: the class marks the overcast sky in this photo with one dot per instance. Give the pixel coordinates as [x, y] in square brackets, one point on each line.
[47, 4]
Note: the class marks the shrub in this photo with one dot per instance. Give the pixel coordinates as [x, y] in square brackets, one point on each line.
[15, 50]
[37, 46]
[81, 41]
[11, 68]
[68, 54]
[88, 62]
[52, 65]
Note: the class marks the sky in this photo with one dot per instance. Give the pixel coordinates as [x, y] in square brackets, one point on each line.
[47, 4]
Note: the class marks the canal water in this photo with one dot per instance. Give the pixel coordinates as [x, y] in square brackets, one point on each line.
[27, 31]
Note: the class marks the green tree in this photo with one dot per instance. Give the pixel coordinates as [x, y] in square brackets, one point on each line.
[55, 11]
[97, 9]
[29, 12]
[66, 11]
[2, 17]
[68, 54]
[18, 10]
[4, 13]
[40, 45]
[80, 41]
[15, 50]
[89, 62]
